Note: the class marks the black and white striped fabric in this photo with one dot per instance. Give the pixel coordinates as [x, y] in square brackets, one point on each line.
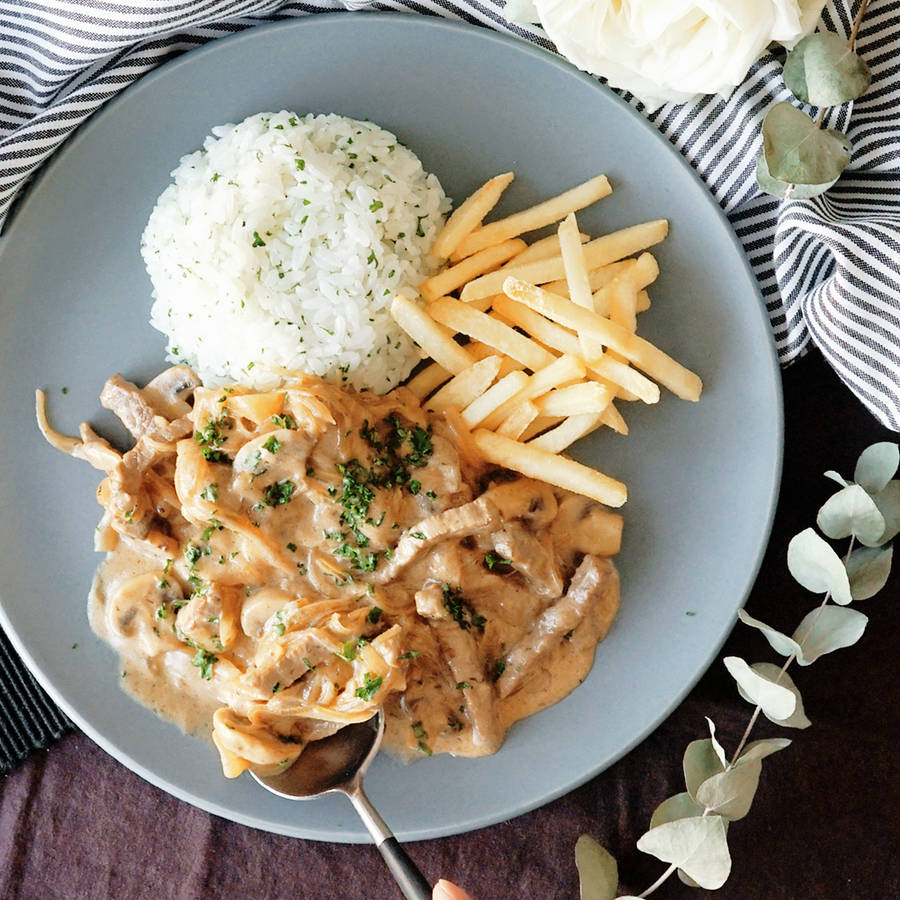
[828, 267]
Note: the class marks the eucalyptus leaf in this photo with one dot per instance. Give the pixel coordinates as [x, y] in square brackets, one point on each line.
[717, 747]
[700, 762]
[779, 642]
[836, 476]
[679, 806]
[730, 793]
[822, 70]
[776, 702]
[798, 151]
[826, 629]
[598, 872]
[786, 190]
[771, 672]
[761, 749]
[868, 569]
[816, 566]
[697, 845]
[686, 879]
[876, 466]
[888, 503]
[851, 511]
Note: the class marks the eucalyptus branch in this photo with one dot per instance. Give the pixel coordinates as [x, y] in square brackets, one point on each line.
[688, 830]
[800, 158]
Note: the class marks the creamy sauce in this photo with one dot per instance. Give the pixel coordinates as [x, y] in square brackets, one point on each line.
[281, 564]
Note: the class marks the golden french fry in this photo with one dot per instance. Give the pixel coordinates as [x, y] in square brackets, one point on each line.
[480, 351]
[535, 217]
[435, 340]
[469, 214]
[599, 252]
[577, 280]
[539, 425]
[463, 388]
[545, 248]
[518, 420]
[640, 352]
[456, 276]
[537, 463]
[558, 338]
[462, 318]
[428, 380]
[566, 433]
[613, 418]
[631, 383]
[643, 301]
[584, 397]
[642, 271]
[497, 394]
[564, 370]
[598, 278]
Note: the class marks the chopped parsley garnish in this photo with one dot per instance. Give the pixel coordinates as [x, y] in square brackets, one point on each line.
[460, 609]
[210, 492]
[349, 648]
[370, 686]
[192, 553]
[214, 525]
[410, 654]
[272, 444]
[415, 486]
[300, 163]
[375, 205]
[418, 535]
[308, 663]
[374, 615]
[279, 624]
[492, 559]
[462, 685]
[285, 421]
[279, 492]
[276, 687]
[499, 668]
[210, 438]
[257, 240]
[292, 546]
[420, 734]
[431, 495]
[204, 661]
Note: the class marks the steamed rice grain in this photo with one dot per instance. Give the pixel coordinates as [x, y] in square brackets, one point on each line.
[279, 247]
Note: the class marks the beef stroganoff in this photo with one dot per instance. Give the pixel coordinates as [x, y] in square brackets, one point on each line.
[284, 563]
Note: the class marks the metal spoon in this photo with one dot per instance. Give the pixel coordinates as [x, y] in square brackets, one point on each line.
[338, 763]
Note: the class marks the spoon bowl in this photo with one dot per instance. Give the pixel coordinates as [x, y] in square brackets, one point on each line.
[338, 763]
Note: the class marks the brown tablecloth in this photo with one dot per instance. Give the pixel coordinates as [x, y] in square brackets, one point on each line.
[76, 824]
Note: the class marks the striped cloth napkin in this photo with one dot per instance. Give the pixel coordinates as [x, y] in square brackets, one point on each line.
[828, 268]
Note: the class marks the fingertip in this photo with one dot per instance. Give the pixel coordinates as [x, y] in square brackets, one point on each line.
[445, 890]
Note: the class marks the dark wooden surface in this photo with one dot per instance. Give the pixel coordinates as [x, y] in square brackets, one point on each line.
[74, 823]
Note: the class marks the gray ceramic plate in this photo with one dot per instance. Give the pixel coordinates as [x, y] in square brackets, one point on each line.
[703, 477]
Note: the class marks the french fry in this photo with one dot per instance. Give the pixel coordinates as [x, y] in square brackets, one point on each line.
[584, 397]
[428, 380]
[469, 214]
[535, 462]
[577, 280]
[642, 271]
[496, 395]
[643, 301]
[471, 267]
[566, 433]
[545, 248]
[539, 425]
[535, 217]
[435, 340]
[646, 356]
[613, 418]
[564, 370]
[558, 338]
[518, 420]
[599, 252]
[598, 278]
[463, 388]
[480, 351]
[462, 318]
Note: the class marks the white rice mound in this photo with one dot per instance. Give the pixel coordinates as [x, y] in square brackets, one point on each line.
[280, 245]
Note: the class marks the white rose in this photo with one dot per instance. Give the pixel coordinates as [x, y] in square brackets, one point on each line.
[669, 50]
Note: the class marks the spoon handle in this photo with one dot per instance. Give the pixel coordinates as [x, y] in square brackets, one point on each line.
[406, 873]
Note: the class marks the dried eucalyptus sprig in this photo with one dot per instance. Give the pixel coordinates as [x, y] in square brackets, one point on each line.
[800, 158]
[689, 830]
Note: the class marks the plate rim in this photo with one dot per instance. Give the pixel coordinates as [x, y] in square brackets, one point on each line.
[411, 20]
